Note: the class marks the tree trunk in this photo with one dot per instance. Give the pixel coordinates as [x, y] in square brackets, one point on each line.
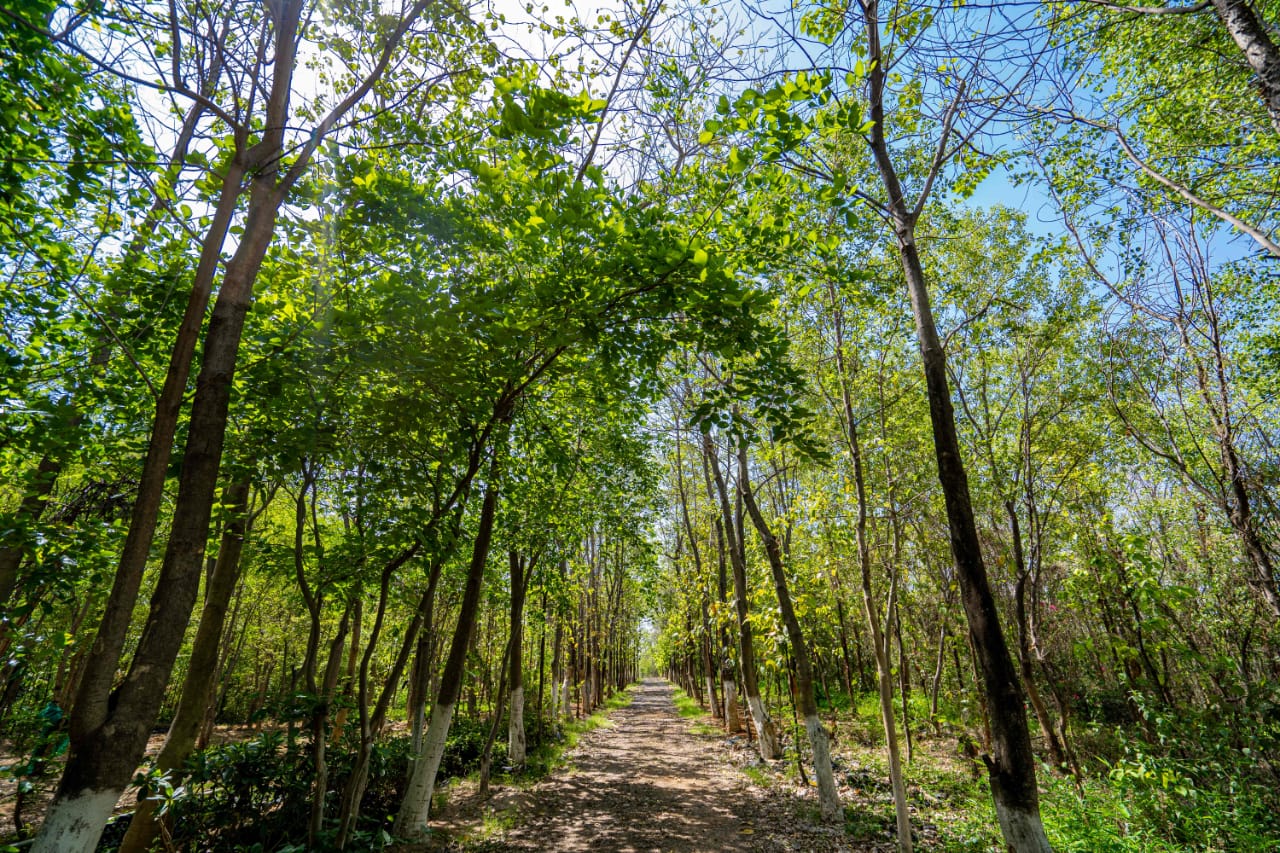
[320, 724]
[108, 738]
[109, 728]
[728, 682]
[1250, 35]
[828, 799]
[1011, 767]
[348, 688]
[767, 735]
[1056, 752]
[411, 821]
[197, 688]
[515, 728]
[371, 724]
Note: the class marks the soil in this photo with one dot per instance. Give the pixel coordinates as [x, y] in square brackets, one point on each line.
[649, 782]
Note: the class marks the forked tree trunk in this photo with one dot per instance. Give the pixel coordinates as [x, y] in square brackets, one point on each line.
[411, 820]
[109, 728]
[371, 724]
[108, 737]
[766, 733]
[828, 798]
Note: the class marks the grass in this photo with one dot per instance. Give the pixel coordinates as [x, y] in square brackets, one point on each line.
[757, 775]
[688, 708]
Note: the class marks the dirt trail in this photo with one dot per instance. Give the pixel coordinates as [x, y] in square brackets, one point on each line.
[649, 784]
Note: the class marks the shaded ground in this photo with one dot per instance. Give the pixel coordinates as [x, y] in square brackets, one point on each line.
[38, 800]
[648, 783]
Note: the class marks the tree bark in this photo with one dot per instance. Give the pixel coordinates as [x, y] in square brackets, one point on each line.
[516, 745]
[1011, 768]
[1047, 730]
[1250, 35]
[767, 735]
[197, 688]
[411, 821]
[879, 638]
[108, 737]
[828, 799]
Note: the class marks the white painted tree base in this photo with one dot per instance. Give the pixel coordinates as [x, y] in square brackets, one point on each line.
[412, 821]
[1023, 830]
[828, 798]
[74, 824]
[732, 721]
[770, 748]
[516, 746]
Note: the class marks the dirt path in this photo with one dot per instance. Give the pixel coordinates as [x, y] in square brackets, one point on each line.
[647, 783]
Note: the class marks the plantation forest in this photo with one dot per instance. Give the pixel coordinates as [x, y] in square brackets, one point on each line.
[639, 425]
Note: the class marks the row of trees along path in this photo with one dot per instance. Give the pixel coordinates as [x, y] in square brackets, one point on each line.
[380, 376]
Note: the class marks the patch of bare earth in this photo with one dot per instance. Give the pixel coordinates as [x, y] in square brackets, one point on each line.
[648, 783]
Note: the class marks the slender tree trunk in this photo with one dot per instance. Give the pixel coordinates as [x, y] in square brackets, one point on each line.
[353, 659]
[108, 739]
[109, 728]
[542, 667]
[936, 685]
[1011, 767]
[515, 729]
[320, 723]
[767, 735]
[557, 667]
[1056, 752]
[411, 821]
[728, 684]
[371, 724]
[828, 798]
[499, 701]
[879, 635]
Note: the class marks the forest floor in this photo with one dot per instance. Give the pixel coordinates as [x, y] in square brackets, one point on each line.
[650, 780]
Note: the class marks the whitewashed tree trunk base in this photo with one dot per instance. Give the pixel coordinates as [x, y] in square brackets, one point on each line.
[732, 721]
[828, 799]
[74, 824]
[770, 747]
[412, 821]
[516, 746]
[1023, 830]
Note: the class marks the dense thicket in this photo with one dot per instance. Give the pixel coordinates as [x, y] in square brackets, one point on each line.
[386, 385]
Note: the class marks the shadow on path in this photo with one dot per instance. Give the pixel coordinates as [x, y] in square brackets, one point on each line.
[646, 784]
